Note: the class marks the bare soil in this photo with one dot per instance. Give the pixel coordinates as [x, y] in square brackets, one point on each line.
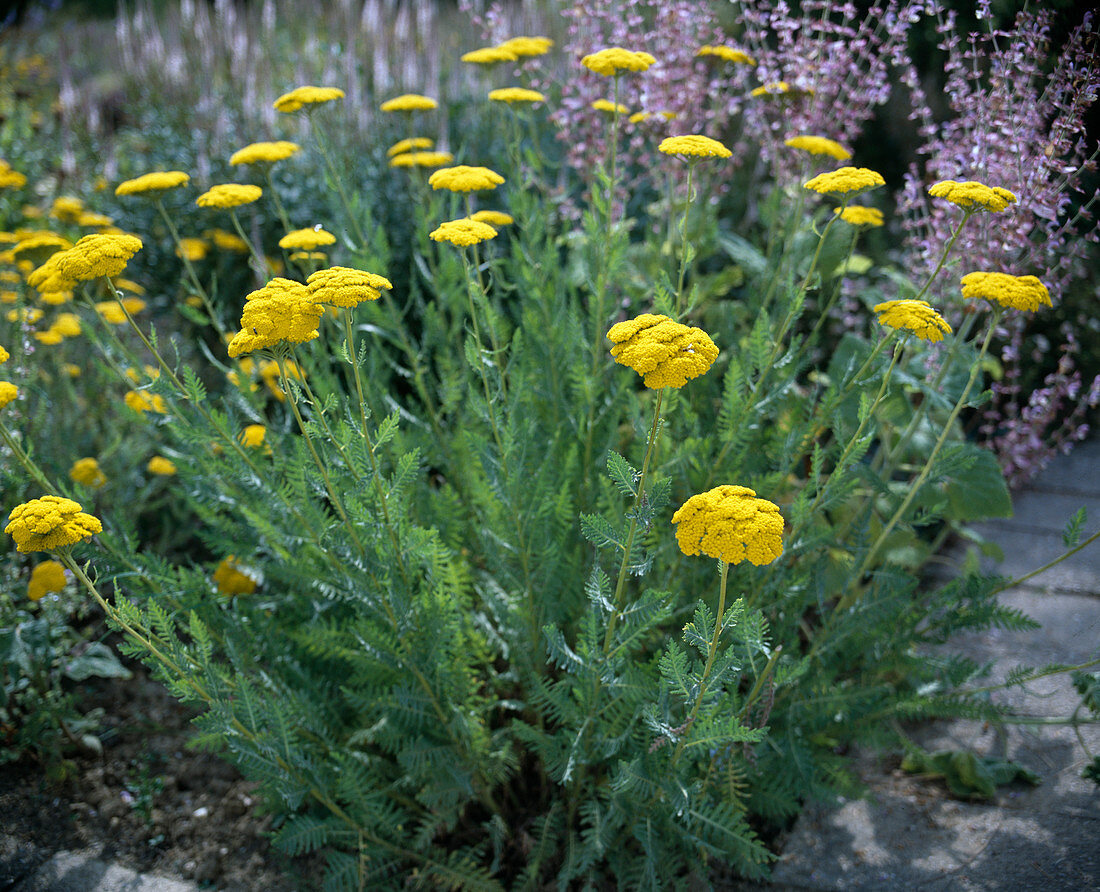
[149, 803]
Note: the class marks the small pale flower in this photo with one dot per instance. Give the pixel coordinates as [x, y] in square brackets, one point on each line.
[409, 102]
[845, 181]
[917, 316]
[49, 523]
[158, 181]
[665, 353]
[228, 195]
[264, 152]
[731, 524]
[611, 61]
[303, 96]
[464, 178]
[819, 145]
[463, 232]
[1018, 292]
[973, 196]
[694, 145]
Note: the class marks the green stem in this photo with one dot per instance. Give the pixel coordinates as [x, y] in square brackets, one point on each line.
[683, 241]
[258, 262]
[724, 570]
[322, 144]
[639, 495]
[1021, 579]
[915, 487]
[191, 274]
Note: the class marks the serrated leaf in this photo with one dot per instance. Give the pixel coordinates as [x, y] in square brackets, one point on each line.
[598, 530]
[622, 473]
[1071, 535]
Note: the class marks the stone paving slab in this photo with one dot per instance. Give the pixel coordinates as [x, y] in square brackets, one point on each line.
[74, 872]
[909, 834]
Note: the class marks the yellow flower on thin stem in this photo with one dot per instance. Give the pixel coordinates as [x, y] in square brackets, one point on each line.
[463, 232]
[693, 147]
[916, 316]
[50, 523]
[973, 196]
[663, 352]
[727, 54]
[409, 102]
[158, 181]
[88, 472]
[1025, 293]
[614, 60]
[46, 578]
[306, 97]
[819, 145]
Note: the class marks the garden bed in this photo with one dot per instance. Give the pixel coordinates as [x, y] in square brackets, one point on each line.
[149, 802]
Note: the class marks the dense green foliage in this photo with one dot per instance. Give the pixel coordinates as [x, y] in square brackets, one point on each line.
[467, 651]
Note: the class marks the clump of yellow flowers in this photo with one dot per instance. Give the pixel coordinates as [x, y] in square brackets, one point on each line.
[730, 523]
[49, 523]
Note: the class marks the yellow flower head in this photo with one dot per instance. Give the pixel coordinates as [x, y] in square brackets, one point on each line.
[158, 181]
[606, 105]
[228, 195]
[342, 286]
[8, 392]
[67, 208]
[49, 523]
[493, 218]
[409, 102]
[88, 472]
[730, 523]
[527, 46]
[489, 55]
[161, 466]
[515, 94]
[413, 144]
[772, 88]
[11, 179]
[614, 59]
[39, 245]
[463, 232]
[253, 436]
[49, 278]
[727, 53]
[4, 355]
[693, 144]
[49, 337]
[464, 178]
[917, 316]
[143, 401]
[94, 220]
[973, 196]
[230, 579]
[421, 159]
[193, 248]
[67, 325]
[227, 241]
[845, 181]
[280, 311]
[46, 577]
[264, 152]
[819, 145]
[303, 96]
[663, 352]
[98, 255]
[306, 239]
[1018, 292]
[856, 215]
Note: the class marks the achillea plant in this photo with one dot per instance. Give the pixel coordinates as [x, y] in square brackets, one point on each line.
[434, 592]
